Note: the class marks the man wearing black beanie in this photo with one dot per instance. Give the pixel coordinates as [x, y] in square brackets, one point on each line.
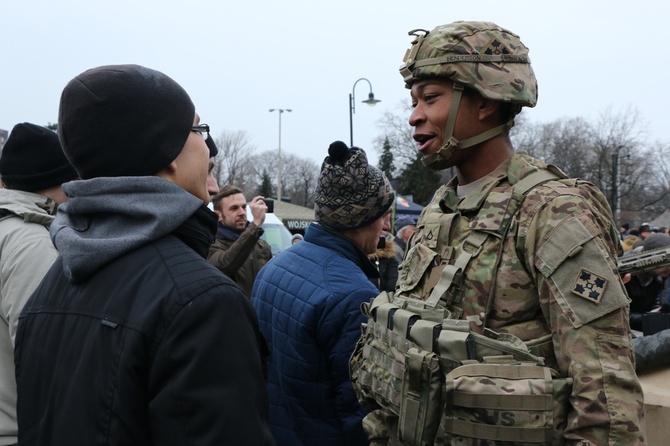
[32, 167]
[132, 337]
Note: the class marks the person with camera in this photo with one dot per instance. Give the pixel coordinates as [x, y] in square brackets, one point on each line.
[238, 251]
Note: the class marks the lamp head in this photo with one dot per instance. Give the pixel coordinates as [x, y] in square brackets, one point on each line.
[371, 101]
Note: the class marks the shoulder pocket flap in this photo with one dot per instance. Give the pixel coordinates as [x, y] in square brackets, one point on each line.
[581, 271]
[566, 241]
[417, 261]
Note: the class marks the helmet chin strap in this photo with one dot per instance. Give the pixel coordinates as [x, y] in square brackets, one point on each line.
[440, 159]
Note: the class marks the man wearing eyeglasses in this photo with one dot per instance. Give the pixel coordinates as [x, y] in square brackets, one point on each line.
[132, 337]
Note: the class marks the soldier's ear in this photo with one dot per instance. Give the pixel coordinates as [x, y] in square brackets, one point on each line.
[487, 108]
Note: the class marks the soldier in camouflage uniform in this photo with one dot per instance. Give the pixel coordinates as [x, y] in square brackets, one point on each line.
[550, 276]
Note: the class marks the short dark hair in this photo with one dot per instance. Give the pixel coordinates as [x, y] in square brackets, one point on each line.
[224, 192]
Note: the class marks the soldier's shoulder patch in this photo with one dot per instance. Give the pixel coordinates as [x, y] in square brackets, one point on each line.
[589, 286]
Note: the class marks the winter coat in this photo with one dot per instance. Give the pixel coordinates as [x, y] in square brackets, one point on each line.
[26, 254]
[241, 257]
[132, 337]
[629, 242]
[308, 304]
[387, 264]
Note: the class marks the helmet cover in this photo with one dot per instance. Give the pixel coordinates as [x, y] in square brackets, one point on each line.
[479, 55]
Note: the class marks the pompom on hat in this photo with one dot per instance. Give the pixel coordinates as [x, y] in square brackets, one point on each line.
[33, 160]
[350, 193]
[123, 120]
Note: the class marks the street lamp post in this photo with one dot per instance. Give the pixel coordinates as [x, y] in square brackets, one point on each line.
[371, 101]
[615, 183]
[280, 111]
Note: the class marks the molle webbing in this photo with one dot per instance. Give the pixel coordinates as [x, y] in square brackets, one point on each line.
[419, 409]
[528, 417]
[404, 358]
[454, 273]
[386, 354]
[451, 276]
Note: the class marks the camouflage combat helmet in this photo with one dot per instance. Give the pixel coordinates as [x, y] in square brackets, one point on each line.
[477, 55]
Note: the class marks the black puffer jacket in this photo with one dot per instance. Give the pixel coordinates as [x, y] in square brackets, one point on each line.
[153, 346]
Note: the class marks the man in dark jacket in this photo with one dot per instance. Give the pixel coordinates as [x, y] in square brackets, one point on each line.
[132, 337]
[308, 303]
[239, 251]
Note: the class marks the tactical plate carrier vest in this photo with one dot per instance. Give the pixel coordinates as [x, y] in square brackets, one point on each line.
[428, 358]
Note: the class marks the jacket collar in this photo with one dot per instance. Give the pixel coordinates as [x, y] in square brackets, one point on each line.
[332, 240]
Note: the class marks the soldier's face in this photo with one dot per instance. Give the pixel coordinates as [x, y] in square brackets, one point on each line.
[431, 101]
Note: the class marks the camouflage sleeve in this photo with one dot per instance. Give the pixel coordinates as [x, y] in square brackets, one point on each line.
[568, 242]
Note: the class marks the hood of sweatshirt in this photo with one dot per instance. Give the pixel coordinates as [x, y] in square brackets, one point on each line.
[105, 218]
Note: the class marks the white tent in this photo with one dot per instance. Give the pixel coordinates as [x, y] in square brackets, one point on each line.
[661, 220]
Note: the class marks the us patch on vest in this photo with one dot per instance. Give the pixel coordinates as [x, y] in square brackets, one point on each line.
[589, 286]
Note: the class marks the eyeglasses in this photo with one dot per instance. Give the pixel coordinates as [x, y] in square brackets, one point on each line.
[203, 129]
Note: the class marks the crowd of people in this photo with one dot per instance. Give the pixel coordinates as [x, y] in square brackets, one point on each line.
[648, 291]
[135, 314]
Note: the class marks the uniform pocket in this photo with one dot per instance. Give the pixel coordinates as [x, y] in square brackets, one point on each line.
[418, 261]
[577, 265]
[503, 404]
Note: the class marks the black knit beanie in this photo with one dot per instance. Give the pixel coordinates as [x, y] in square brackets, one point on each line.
[32, 159]
[123, 120]
[350, 193]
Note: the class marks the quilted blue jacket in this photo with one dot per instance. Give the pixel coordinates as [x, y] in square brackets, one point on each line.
[308, 304]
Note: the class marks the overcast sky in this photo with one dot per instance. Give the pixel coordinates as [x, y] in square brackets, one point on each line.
[238, 59]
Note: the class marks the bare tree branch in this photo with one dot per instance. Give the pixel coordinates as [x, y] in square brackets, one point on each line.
[231, 163]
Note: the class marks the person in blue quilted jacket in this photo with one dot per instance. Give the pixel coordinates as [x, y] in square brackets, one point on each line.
[308, 302]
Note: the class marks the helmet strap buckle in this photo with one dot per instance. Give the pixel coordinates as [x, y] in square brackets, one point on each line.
[439, 159]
